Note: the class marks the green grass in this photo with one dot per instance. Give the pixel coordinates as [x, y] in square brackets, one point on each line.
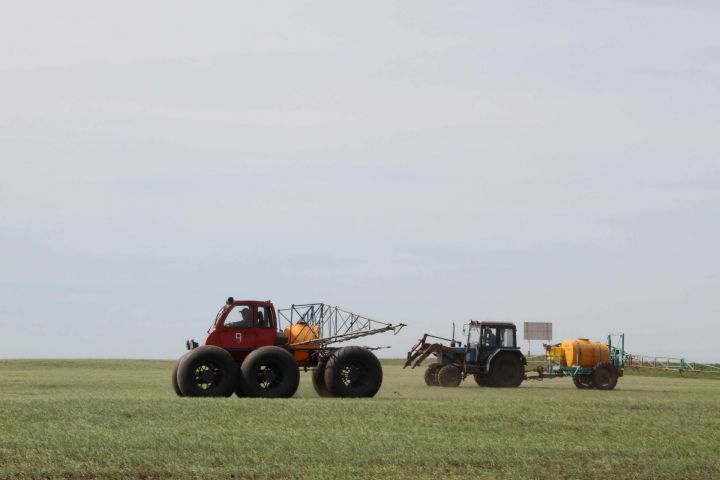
[120, 419]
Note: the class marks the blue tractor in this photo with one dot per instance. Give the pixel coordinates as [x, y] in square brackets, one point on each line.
[490, 354]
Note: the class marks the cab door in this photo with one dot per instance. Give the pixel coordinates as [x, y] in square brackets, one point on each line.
[238, 333]
[265, 322]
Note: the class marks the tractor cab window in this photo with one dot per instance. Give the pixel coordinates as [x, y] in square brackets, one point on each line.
[239, 317]
[506, 337]
[264, 318]
[474, 335]
[489, 337]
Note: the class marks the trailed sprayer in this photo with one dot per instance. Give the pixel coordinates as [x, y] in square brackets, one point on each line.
[590, 364]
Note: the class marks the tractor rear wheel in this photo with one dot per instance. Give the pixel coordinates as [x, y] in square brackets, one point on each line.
[318, 380]
[449, 376]
[270, 372]
[353, 372]
[431, 372]
[482, 380]
[207, 371]
[605, 376]
[583, 381]
[506, 371]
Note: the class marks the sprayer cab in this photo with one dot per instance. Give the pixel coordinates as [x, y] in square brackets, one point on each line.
[242, 326]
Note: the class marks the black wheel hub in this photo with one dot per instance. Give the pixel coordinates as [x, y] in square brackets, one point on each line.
[269, 375]
[353, 375]
[207, 375]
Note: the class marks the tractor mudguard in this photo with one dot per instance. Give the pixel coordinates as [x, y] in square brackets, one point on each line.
[514, 351]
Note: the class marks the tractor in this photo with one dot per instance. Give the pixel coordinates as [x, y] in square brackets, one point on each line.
[490, 355]
[252, 350]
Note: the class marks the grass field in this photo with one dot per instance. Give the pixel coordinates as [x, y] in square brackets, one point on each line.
[120, 419]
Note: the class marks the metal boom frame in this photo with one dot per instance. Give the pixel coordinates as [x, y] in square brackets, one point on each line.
[334, 324]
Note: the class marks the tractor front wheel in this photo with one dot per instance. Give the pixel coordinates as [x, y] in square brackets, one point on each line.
[353, 372]
[605, 376]
[506, 371]
[431, 379]
[270, 372]
[207, 371]
[449, 376]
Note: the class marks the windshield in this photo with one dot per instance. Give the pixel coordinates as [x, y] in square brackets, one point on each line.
[219, 314]
[474, 334]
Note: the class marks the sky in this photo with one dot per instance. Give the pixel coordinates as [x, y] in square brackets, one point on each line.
[417, 162]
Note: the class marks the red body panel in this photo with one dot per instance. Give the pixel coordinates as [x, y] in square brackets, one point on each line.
[243, 336]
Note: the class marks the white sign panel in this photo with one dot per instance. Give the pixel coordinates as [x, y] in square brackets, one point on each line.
[538, 331]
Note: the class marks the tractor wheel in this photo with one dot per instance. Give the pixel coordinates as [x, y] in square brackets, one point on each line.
[318, 380]
[353, 372]
[431, 372]
[583, 381]
[207, 371]
[605, 376]
[482, 380]
[270, 372]
[173, 376]
[449, 376]
[506, 371]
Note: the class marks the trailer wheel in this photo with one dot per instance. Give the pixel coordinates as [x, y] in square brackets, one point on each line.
[449, 376]
[207, 371]
[353, 372]
[605, 376]
[506, 371]
[583, 381]
[270, 372]
[173, 376]
[318, 380]
[482, 381]
[431, 372]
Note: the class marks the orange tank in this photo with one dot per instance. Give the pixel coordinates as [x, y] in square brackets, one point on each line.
[302, 332]
[584, 353]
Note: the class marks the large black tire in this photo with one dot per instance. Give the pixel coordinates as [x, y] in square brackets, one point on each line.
[318, 379]
[605, 376]
[207, 371]
[353, 372]
[482, 380]
[239, 387]
[431, 372]
[270, 372]
[173, 376]
[449, 376]
[506, 371]
[583, 382]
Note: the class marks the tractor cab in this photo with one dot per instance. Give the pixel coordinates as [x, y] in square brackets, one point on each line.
[485, 338]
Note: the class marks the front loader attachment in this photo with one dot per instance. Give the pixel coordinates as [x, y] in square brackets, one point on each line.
[424, 349]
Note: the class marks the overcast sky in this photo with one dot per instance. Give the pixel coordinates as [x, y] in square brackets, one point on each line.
[416, 162]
